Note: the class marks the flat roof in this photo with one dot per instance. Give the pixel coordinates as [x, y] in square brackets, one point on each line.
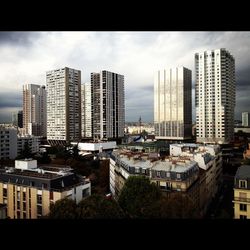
[169, 166]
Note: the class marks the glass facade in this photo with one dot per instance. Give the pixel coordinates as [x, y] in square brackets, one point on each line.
[172, 104]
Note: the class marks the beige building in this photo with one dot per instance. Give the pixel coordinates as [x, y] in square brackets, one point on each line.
[209, 161]
[34, 110]
[28, 190]
[242, 193]
[191, 169]
[172, 174]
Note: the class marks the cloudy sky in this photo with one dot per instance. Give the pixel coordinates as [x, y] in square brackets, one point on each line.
[26, 56]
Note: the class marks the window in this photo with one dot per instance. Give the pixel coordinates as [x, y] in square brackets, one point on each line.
[5, 192]
[243, 207]
[85, 193]
[39, 199]
[18, 204]
[39, 210]
[51, 195]
[178, 176]
[243, 184]
[24, 196]
[244, 217]
[24, 206]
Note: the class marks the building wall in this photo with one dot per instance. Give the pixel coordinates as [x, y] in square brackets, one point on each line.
[34, 109]
[245, 119]
[29, 205]
[214, 96]
[241, 197]
[33, 142]
[64, 105]
[8, 142]
[86, 110]
[173, 104]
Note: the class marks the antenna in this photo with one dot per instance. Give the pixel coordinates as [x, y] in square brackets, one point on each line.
[140, 123]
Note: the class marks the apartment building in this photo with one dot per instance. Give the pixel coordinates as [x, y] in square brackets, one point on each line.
[108, 100]
[208, 158]
[242, 193]
[214, 96]
[34, 109]
[8, 141]
[63, 106]
[28, 190]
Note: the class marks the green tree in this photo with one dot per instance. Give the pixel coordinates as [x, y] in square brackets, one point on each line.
[138, 196]
[99, 207]
[63, 209]
[178, 206]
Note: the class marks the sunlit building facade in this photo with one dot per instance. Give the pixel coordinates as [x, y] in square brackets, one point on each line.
[173, 104]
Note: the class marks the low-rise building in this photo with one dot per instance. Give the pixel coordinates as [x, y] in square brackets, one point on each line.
[192, 169]
[28, 190]
[242, 193]
[171, 174]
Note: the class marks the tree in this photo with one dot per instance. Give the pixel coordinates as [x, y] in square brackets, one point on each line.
[138, 196]
[99, 207]
[63, 209]
[178, 206]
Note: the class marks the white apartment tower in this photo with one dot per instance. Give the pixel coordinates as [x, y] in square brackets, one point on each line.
[108, 113]
[86, 110]
[63, 105]
[34, 109]
[173, 104]
[214, 96]
[245, 119]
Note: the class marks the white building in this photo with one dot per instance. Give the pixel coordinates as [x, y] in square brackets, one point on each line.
[245, 119]
[86, 110]
[63, 105]
[108, 111]
[8, 142]
[34, 109]
[96, 146]
[214, 96]
[173, 104]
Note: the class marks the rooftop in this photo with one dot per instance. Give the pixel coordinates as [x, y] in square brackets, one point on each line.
[174, 166]
[243, 172]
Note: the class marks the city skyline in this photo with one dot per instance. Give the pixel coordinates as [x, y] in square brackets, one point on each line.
[26, 56]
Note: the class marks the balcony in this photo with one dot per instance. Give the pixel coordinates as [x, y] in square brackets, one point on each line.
[241, 199]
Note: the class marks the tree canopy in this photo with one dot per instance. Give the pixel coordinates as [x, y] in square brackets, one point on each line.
[138, 196]
[63, 209]
[99, 207]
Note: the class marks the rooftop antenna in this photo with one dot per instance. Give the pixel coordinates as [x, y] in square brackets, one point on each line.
[140, 124]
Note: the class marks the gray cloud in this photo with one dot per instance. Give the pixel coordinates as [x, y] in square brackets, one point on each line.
[18, 38]
[26, 56]
[10, 100]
